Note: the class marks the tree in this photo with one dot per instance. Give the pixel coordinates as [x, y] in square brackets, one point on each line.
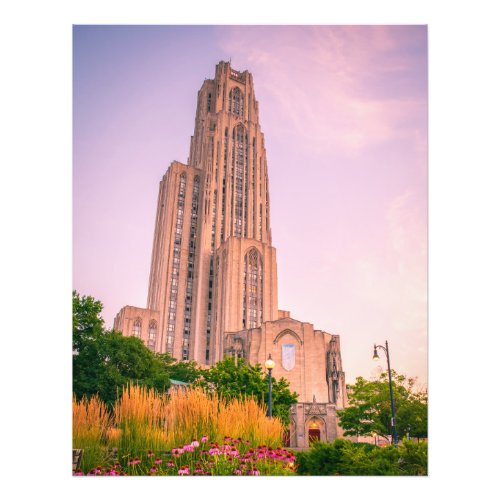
[232, 380]
[369, 408]
[104, 361]
[184, 371]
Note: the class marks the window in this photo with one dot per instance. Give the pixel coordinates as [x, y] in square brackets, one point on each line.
[136, 330]
[152, 334]
[252, 289]
[240, 139]
[236, 100]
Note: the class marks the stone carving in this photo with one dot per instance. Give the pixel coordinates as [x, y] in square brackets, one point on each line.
[234, 345]
[332, 373]
[315, 408]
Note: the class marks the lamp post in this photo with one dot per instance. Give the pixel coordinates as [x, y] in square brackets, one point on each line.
[393, 419]
[270, 365]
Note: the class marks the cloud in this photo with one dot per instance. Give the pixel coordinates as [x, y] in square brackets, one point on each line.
[346, 87]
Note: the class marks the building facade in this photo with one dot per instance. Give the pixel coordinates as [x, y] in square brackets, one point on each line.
[213, 278]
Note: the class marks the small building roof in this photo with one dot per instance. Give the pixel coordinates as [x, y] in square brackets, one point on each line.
[178, 382]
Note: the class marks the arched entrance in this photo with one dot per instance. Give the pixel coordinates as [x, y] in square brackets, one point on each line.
[314, 428]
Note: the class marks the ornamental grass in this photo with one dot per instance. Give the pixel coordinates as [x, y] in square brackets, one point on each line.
[140, 415]
[91, 421]
[193, 413]
[147, 420]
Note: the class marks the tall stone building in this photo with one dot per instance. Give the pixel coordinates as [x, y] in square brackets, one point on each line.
[213, 287]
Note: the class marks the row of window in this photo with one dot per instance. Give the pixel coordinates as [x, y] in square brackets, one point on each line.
[176, 258]
[189, 280]
[210, 280]
[236, 104]
[152, 331]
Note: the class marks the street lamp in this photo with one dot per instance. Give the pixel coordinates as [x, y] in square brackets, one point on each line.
[270, 365]
[376, 358]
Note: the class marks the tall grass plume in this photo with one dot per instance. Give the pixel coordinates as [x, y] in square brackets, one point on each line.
[91, 421]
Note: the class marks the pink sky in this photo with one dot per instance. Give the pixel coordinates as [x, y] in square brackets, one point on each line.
[344, 113]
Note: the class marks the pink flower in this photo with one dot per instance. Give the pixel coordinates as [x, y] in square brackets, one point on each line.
[237, 472]
[234, 453]
[204, 439]
[188, 447]
[195, 444]
[254, 472]
[79, 473]
[183, 472]
[158, 461]
[153, 470]
[214, 451]
[177, 451]
[150, 454]
[170, 464]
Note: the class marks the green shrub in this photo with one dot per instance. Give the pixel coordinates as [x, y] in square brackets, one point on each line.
[413, 458]
[345, 458]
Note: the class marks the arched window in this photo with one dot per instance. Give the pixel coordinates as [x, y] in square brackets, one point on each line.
[152, 334]
[136, 330]
[252, 289]
[236, 100]
[240, 139]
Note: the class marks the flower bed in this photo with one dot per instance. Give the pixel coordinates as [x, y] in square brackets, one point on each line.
[202, 458]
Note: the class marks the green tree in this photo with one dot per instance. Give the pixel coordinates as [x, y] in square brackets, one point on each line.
[104, 361]
[232, 380]
[184, 371]
[369, 407]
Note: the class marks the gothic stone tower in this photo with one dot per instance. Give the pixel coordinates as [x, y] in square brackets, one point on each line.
[213, 268]
[213, 285]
